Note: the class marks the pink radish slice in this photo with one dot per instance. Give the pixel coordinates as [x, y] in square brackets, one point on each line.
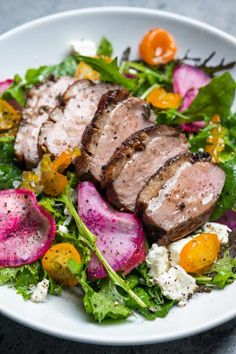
[26, 229]
[187, 77]
[193, 127]
[120, 236]
[4, 85]
[188, 99]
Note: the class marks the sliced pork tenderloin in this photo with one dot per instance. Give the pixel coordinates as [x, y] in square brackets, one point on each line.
[66, 124]
[180, 197]
[118, 116]
[137, 159]
[41, 99]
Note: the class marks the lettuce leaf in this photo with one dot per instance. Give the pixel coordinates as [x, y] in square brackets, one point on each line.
[24, 278]
[215, 98]
[228, 195]
[105, 48]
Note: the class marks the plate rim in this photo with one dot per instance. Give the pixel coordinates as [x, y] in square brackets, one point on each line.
[131, 10]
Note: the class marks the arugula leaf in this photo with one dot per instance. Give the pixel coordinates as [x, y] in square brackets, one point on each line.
[105, 48]
[141, 283]
[109, 71]
[154, 308]
[102, 304]
[215, 98]
[221, 273]
[228, 195]
[107, 303]
[9, 171]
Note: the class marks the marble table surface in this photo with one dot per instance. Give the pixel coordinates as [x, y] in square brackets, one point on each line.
[15, 338]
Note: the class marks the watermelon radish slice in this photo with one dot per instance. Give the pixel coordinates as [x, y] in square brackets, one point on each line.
[26, 229]
[120, 236]
[187, 77]
[4, 85]
[187, 80]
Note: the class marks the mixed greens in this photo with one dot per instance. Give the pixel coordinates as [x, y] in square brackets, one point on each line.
[118, 296]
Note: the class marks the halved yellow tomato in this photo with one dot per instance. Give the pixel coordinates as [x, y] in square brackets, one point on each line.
[199, 254]
[55, 263]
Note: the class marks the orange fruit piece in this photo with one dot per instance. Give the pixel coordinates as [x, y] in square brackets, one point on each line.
[160, 98]
[157, 47]
[55, 263]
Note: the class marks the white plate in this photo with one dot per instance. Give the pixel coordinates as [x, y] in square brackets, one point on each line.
[45, 41]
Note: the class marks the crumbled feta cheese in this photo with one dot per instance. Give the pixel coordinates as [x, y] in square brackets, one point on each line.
[222, 231]
[84, 47]
[16, 184]
[40, 292]
[177, 285]
[63, 229]
[157, 260]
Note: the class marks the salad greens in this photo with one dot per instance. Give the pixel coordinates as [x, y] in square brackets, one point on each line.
[221, 273]
[9, 171]
[34, 76]
[228, 195]
[26, 277]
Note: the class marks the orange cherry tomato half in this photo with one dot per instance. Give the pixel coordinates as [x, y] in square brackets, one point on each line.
[55, 263]
[199, 254]
[157, 47]
[159, 98]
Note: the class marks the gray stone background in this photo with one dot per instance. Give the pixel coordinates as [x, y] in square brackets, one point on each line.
[15, 338]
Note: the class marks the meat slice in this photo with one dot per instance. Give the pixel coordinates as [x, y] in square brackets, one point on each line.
[41, 100]
[180, 197]
[67, 122]
[138, 158]
[118, 116]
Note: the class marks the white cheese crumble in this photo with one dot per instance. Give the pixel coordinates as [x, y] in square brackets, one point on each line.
[84, 47]
[177, 285]
[16, 184]
[40, 292]
[63, 229]
[157, 260]
[222, 231]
